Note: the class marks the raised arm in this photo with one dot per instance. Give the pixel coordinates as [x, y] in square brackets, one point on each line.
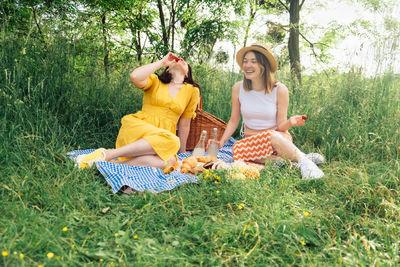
[235, 115]
[282, 122]
[139, 75]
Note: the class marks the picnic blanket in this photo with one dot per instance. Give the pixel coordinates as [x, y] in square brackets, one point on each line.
[148, 178]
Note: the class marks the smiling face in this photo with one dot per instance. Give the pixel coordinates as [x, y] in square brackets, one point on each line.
[251, 67]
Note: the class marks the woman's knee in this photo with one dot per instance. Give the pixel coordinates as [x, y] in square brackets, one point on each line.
[276, 138]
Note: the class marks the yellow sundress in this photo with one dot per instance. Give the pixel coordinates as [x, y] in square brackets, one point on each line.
[157, 120]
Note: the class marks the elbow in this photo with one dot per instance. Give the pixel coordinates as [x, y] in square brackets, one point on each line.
[133, 77]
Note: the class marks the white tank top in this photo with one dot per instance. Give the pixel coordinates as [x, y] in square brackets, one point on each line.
[258, 108]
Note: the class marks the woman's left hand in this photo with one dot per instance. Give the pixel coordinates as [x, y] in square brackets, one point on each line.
[297, 120]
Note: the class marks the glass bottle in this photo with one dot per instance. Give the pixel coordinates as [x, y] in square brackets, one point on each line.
[200, 148]
[213, 147]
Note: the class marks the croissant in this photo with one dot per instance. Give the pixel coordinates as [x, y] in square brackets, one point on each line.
[191, 161]
[206, 159]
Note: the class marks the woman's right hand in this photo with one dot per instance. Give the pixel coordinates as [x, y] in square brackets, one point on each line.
[168, 59]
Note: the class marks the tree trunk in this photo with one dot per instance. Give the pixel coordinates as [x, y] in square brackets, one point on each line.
[251, 19]
[172, 25]
[293, 44]
[106, 53]
[163, 28]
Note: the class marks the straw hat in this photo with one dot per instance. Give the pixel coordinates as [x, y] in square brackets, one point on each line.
[259, 47]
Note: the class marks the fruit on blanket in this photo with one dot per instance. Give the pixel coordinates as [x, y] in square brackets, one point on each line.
[304, 117]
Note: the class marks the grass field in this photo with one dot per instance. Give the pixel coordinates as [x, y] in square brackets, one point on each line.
[55, 215]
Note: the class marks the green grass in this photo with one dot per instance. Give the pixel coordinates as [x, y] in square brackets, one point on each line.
[49, 107]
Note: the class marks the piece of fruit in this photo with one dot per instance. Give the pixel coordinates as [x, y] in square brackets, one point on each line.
[304, 117]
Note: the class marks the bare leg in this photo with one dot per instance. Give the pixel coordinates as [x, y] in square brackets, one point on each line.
[285, 148]
[146, 161]
[138, 148]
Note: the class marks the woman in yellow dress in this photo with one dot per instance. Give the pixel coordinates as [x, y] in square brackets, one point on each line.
[148, 137]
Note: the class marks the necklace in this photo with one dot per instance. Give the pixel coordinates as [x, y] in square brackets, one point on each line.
[176, 82]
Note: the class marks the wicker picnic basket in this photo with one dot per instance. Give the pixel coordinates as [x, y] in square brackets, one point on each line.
[203, 121]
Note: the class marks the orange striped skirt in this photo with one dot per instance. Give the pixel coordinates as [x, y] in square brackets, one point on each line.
[256, 147]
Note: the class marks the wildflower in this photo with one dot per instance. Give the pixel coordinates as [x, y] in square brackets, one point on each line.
[117, 246]
[65, 229]
[21, 256]
[306, 213]
[50, 255]
[116, 234]
[217, 192]
[135, 237]
[15, 253]
[304, 117]
[340, 260]
[216, 182]
[26, 176]
[40, 265]
[303, 243]
[101, 259]
[4, 253]
[240, 206]
[73, 245]
[166, 249]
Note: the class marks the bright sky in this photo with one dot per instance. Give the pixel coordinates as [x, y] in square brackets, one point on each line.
[373, 52]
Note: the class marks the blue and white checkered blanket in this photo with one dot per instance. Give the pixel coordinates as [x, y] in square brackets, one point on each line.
[148, 178]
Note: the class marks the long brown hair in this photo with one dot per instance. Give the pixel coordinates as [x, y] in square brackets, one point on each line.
[166, 77]
[267, 75]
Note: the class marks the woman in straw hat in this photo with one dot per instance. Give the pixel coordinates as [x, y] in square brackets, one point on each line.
[263, 103]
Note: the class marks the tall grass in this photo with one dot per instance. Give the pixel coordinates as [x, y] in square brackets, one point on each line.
[52, 103]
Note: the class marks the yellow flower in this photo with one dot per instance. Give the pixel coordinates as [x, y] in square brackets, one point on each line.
[116, 234]
[216, 182]
[303, 243]
[4, 253]
[73, 245]
[50, 255]
[135, 237]
[26, 176]
[21, 256]
[217, 192]
[306, 213]
[65, 229]
[166, 249]
[101, 259]
[15, 253]
[117, 246]
[240, 206]
[40, 265]
[340, 260]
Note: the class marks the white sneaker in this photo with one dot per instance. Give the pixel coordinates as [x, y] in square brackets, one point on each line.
[309, 170]
[316, 158]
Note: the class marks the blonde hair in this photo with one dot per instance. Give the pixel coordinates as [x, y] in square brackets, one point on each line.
[267, 75]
